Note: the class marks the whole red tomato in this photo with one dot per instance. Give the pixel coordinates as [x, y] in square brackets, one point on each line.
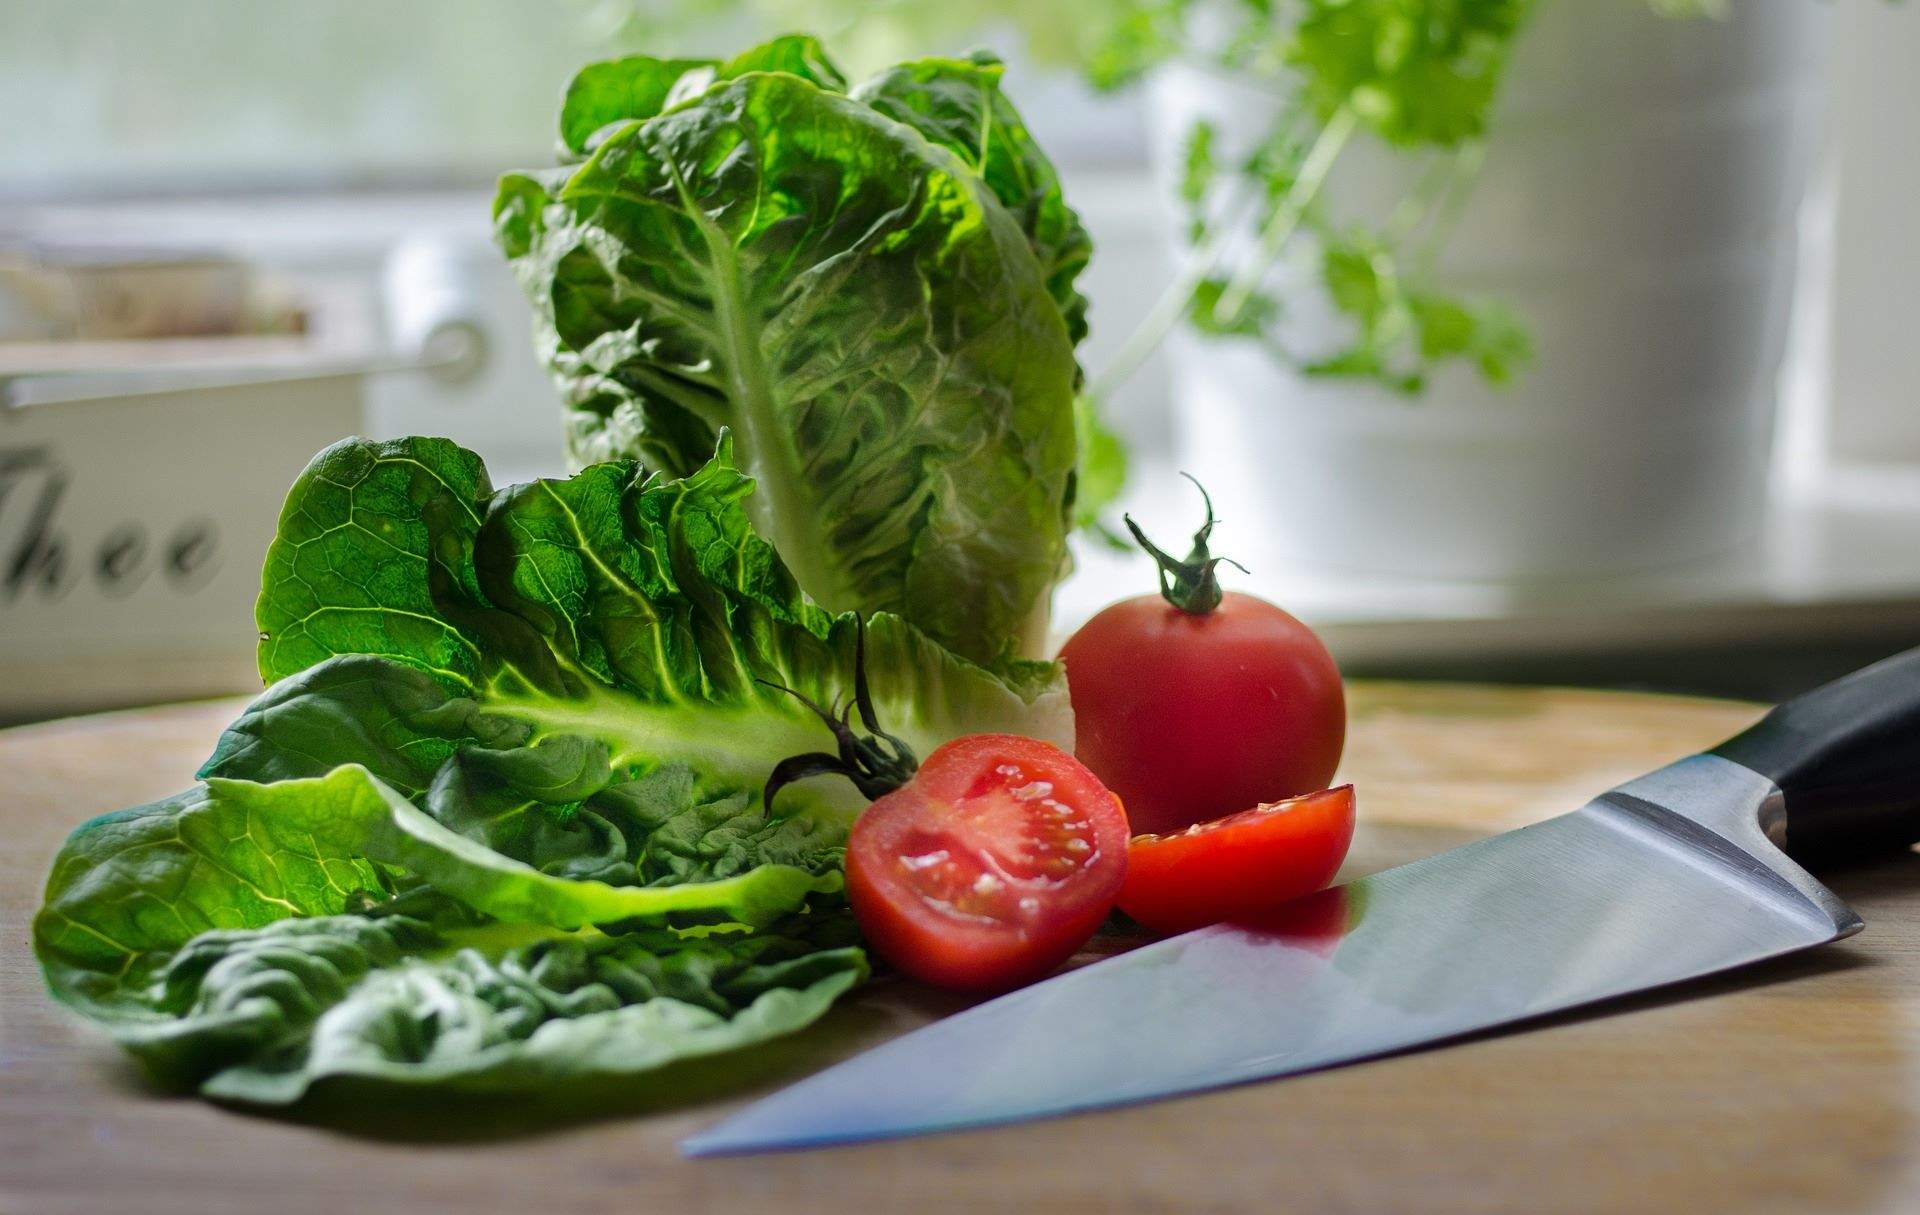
[1194, 704]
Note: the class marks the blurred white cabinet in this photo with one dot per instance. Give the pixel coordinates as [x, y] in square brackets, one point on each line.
[132, 529]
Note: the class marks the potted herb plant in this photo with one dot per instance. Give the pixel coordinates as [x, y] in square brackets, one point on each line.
[1471, 289]
[1479, 289]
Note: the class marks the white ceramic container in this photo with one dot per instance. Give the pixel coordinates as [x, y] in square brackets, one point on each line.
[1638, 206]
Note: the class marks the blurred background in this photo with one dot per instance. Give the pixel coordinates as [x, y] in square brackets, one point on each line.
[1566, 341]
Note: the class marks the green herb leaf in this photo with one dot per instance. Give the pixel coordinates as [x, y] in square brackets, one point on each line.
[1254, 319]
[1103, 468]
[1416, 71]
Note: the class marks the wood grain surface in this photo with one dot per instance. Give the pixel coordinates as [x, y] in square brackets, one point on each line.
[1791, 1086]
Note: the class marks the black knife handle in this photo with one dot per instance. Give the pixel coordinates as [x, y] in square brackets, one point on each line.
[1847, 758]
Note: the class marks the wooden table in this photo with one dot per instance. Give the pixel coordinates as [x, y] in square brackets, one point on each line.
[1792, 1086]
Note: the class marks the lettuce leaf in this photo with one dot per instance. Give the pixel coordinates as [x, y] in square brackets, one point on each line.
[243, 938]
[873, 291]
[553, 806]
[958, 105]
[523, 1019]
[563, 637]
[640, 86]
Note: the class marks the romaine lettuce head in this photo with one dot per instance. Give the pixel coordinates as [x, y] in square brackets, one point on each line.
[872, 288]
[496, 824]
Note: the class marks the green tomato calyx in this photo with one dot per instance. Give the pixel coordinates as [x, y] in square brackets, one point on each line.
[1190, 584]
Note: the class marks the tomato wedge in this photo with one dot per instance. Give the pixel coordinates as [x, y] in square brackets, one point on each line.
[1240, 866]
[990, 867]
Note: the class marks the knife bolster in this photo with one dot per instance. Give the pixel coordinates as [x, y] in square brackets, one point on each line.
[1846, 759]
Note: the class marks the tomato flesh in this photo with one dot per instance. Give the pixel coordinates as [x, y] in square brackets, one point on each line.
[991, 867]
[1191, 717]
[1239, 867]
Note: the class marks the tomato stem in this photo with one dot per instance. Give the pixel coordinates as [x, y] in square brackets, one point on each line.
[1189, 585]
[877, 764]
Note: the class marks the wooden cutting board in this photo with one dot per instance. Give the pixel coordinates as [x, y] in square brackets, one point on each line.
[1791, 1086]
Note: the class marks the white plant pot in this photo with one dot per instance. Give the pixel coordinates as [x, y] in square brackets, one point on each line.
[1638, 207]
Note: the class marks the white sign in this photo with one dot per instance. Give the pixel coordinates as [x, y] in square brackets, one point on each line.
[132, 530]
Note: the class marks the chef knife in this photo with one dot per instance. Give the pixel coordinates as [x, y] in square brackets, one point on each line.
[1680, 873]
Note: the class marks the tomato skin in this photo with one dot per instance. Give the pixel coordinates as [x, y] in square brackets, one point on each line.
[1191, 717]
[1051, 860]
[1240, 867]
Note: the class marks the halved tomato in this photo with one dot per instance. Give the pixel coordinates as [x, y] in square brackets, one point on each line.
[991, 866]
[1240, 866]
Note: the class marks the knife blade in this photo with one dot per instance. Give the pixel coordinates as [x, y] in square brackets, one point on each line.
[1676, 875]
